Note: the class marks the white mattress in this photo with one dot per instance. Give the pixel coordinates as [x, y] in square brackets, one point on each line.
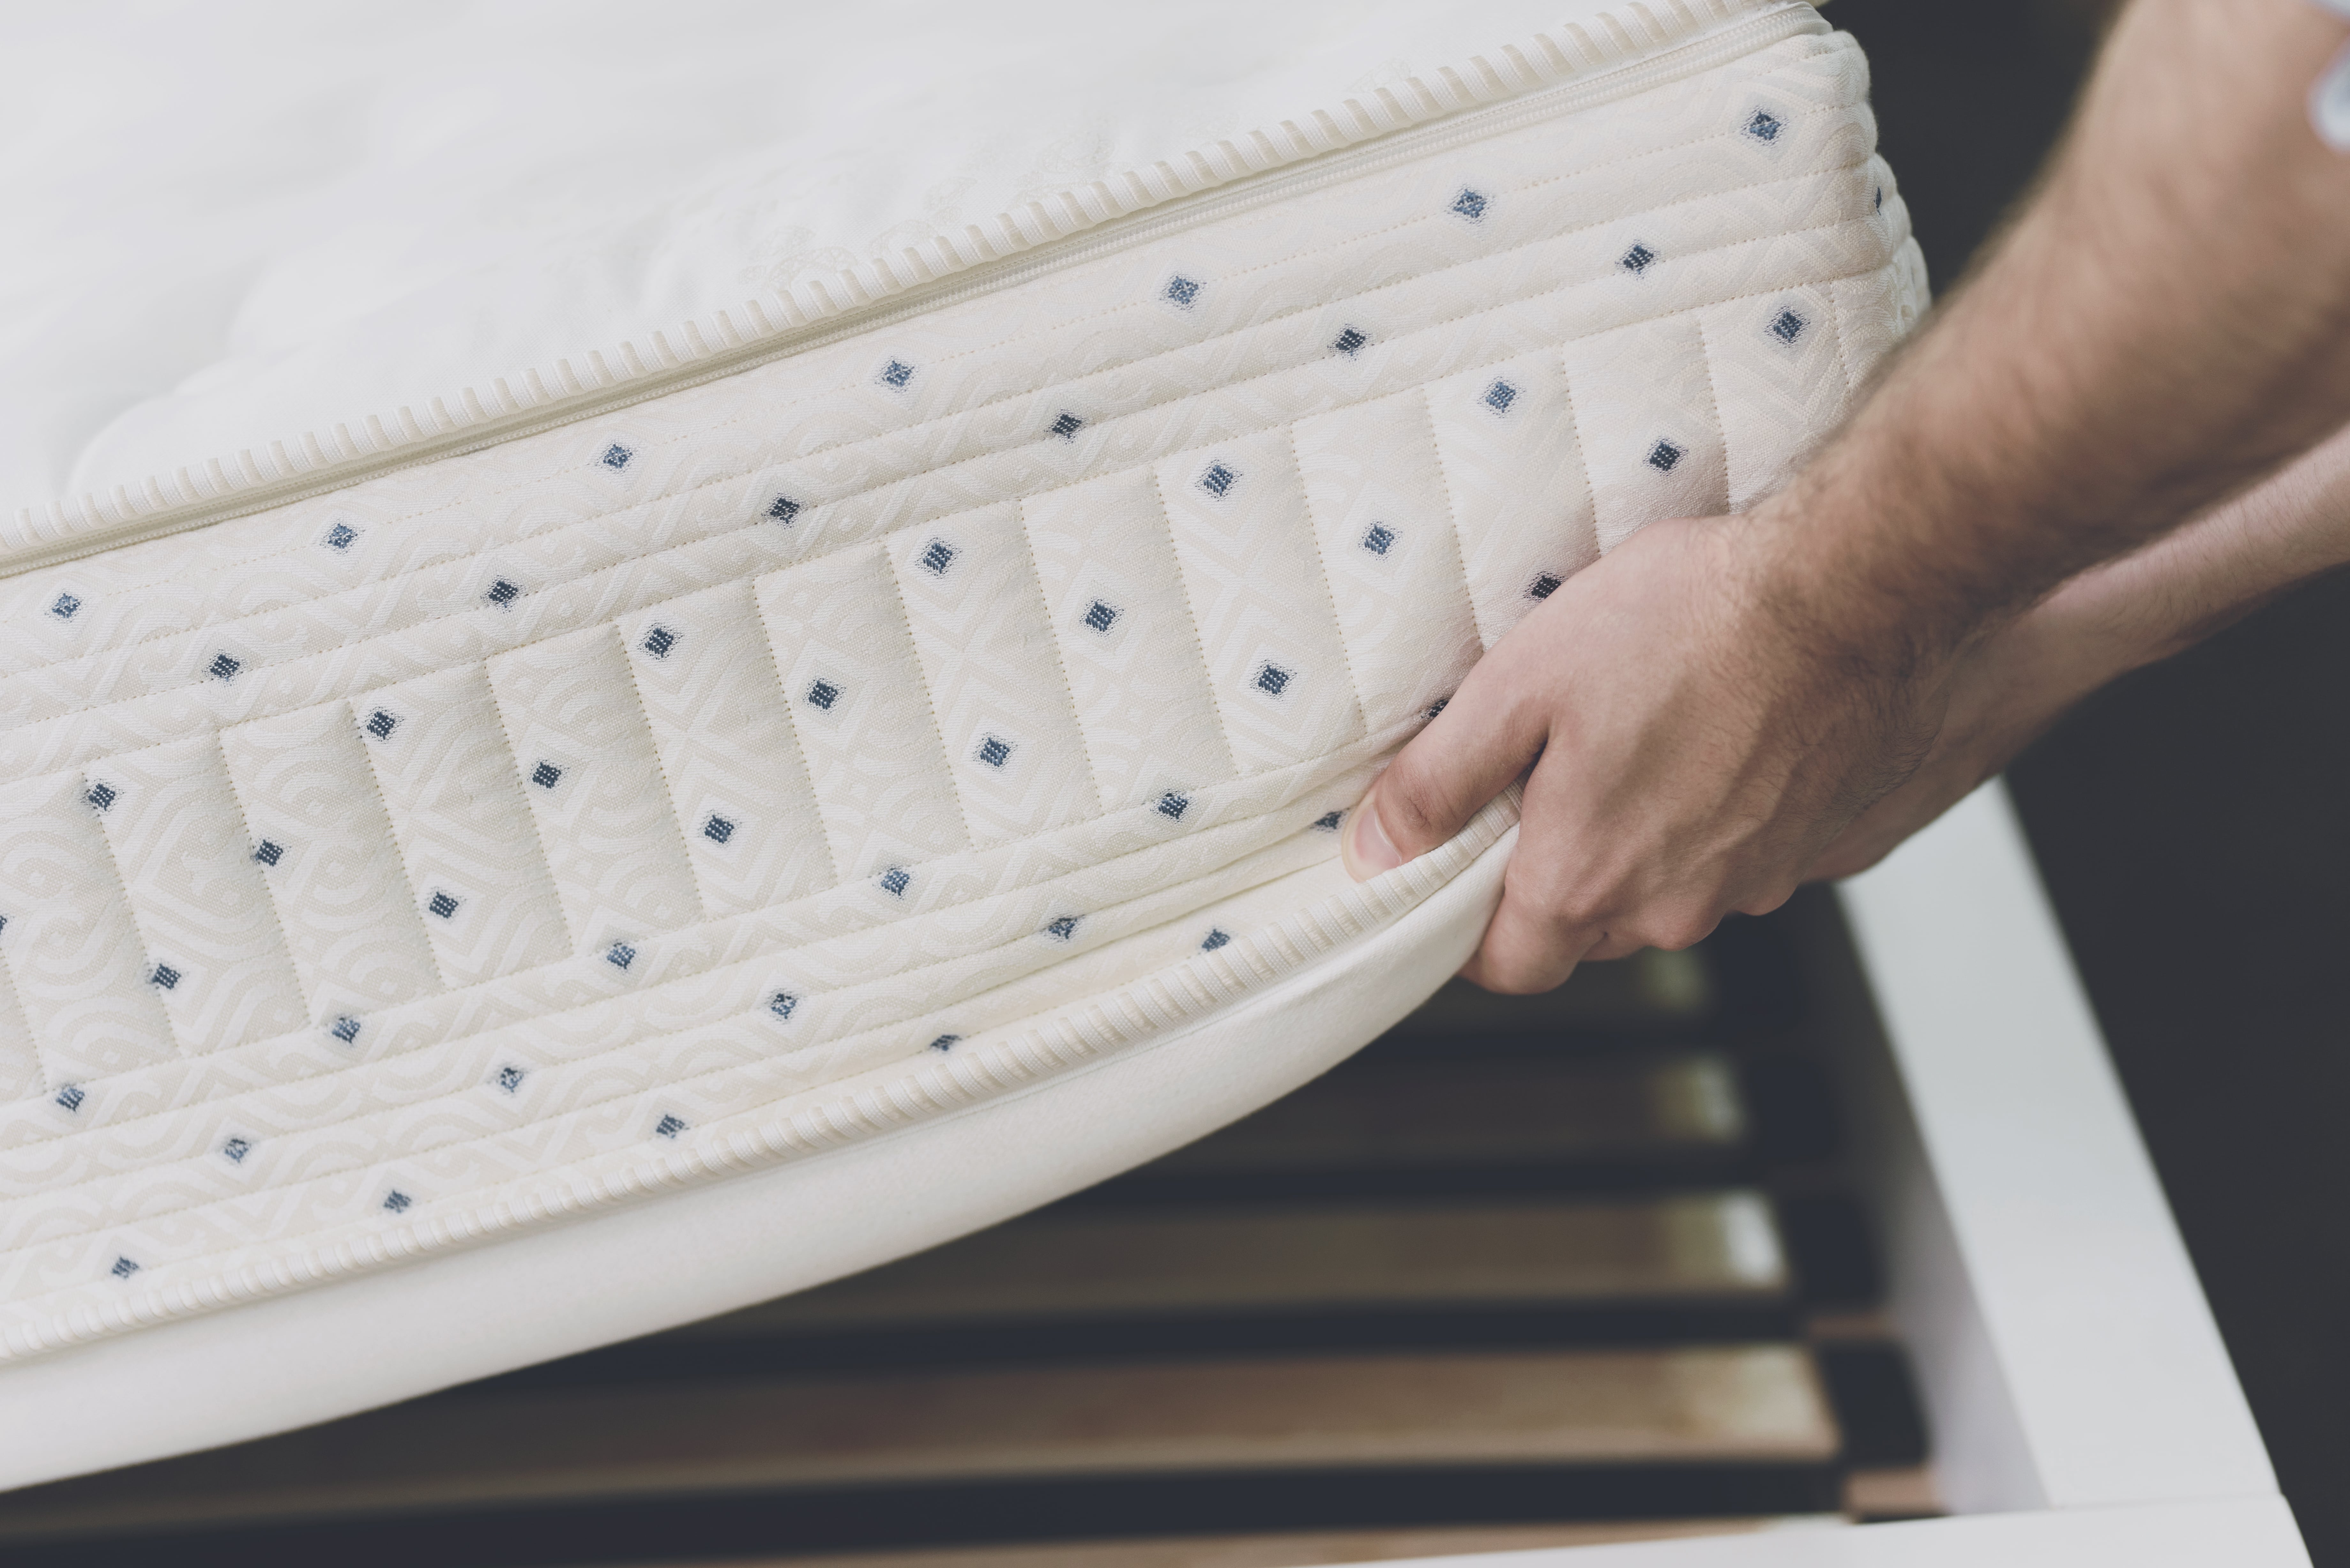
[812, 676]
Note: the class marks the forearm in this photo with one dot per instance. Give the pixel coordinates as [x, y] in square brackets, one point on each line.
[2205, 576]
[2106, 622]
[2167, 320]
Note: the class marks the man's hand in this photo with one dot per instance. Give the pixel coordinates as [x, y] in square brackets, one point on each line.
[2001, 698]
[1708, 707]
[1696, 739]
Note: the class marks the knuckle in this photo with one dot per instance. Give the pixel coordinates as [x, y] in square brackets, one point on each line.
[1565, 907]
[1674, 930]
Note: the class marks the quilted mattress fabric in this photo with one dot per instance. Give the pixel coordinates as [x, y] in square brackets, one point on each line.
[971, 689]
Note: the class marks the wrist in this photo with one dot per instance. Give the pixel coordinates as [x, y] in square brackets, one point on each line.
[1820, 575]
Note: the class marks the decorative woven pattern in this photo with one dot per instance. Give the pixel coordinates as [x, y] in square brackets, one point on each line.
[537, 825]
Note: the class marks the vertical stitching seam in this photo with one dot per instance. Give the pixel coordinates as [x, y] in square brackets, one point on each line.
[1191, 615]
[674, 816]
[1426, 395]
[511, 773]
[1330, 597]
[268, 893]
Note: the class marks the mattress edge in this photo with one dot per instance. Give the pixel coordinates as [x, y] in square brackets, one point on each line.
[297, 1357]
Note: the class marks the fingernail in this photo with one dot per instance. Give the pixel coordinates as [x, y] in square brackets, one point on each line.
[1366, 849]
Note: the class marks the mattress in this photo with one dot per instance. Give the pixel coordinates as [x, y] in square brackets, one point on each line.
[667, 814]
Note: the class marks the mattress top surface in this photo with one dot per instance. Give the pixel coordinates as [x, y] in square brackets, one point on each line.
[260, 220]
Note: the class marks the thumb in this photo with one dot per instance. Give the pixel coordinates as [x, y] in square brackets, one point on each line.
[1483, 738]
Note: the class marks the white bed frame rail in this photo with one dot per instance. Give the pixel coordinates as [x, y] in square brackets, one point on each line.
[2083, 1408]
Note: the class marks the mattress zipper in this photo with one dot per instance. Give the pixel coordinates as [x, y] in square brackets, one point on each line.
[92, 534]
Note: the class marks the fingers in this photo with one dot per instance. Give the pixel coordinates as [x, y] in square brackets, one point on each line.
[1566, 900]
[1523, 953]
[1488, 735]
[1542, 929]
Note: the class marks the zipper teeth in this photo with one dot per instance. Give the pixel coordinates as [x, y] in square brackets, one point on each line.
[1240, 194]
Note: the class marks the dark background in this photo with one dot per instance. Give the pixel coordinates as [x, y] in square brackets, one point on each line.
[2192, 822]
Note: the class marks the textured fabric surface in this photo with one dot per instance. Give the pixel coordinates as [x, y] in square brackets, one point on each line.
[245, 220]
[611, 808]
[379, 1337]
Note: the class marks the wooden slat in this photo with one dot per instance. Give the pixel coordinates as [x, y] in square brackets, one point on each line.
[1075, 1264]
[1759, 1404]
[1287, 1550]
[1440, 1114]
[1898, 1491]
